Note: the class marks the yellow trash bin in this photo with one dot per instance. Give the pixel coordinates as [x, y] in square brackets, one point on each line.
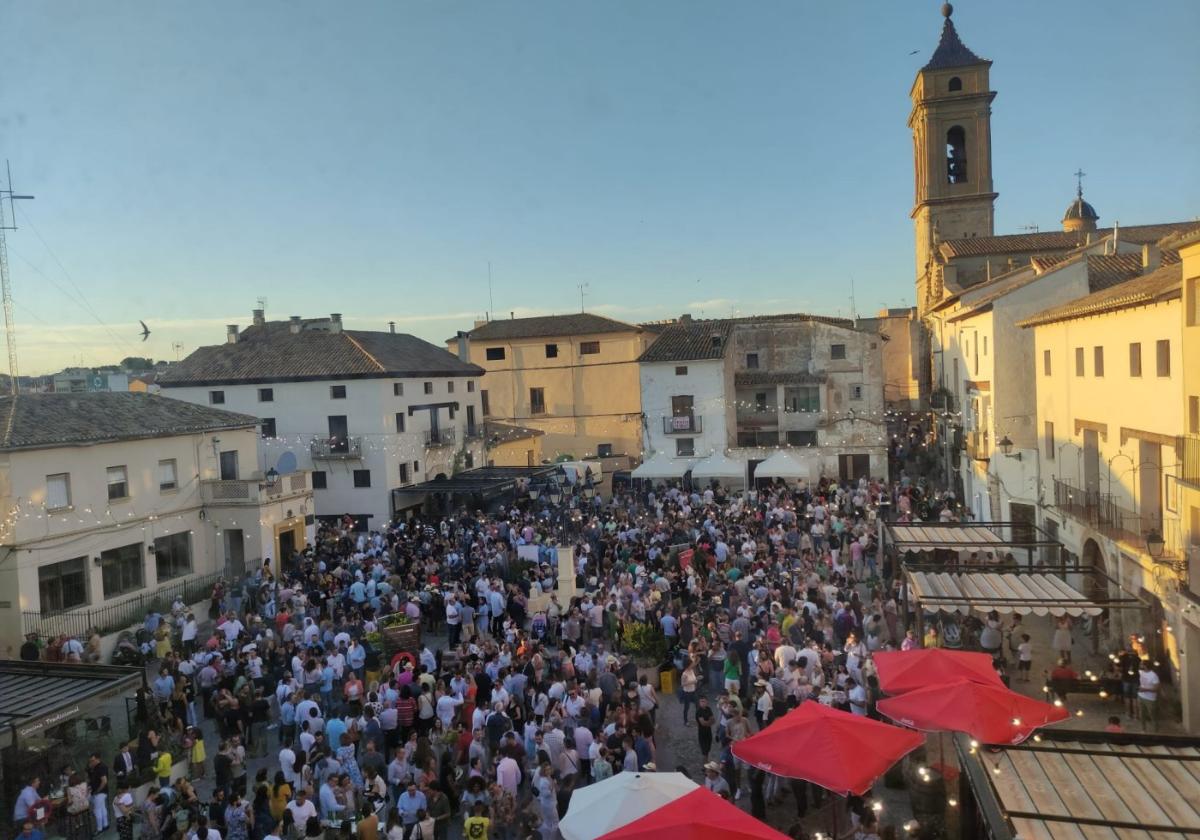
[666, 681]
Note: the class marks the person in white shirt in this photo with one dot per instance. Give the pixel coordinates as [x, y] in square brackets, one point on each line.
[857, 695]
[301, 807]
[1148, 683]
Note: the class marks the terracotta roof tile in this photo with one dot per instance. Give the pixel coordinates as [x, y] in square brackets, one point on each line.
[1052, 241]
[578, 323]
[951, 51]
[1163, 284]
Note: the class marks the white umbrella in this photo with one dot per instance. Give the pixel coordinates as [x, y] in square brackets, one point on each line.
[605, 806]
[719, 465]
[661, 465]
[784, 464]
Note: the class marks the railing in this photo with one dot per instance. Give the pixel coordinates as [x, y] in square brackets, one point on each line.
[252, 492]
[1188, 447]
[440, 437]
[474, 431]
[111, 618]
[682, 424]
[330, 448]
[977, 445]
[755, 438]
[1104, 513]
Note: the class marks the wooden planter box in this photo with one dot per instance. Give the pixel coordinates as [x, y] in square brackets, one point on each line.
[406, 637]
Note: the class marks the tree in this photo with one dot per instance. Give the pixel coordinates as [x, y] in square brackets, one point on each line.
[137, 363]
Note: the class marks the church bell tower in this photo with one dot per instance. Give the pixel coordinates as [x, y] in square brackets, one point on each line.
[952, 155]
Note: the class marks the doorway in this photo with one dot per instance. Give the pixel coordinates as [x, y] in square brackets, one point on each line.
[854, 467]
[229, 465]
[287, 547]
[235, 554]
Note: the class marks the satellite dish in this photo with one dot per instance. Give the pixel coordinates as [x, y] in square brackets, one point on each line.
[287, 463]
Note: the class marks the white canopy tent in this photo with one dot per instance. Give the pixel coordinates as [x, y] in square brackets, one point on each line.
[784, 463]
[661, 465]
[597, 809]
[721, 466]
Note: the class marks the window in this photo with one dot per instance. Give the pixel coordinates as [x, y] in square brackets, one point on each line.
[685, 447]
[362, 478]
[229, 465]
[450, 386]
[681, 370]
[1193, 301]
[118, 484]
[537, 400]
[404, 473]
[121, 569]
[837, 351]
[1163, 349]
[551, 351]
[802, 438]
[470, 386]
[168, 474]
[483, 402]
[1079, 361]
[752, 361]
[760, 401]
[397, 389]
[605, 450]
[716, 342]
[450, 409]
[63, 586]
[416, 467]
[589, 348]
[802, 398]
[856, 392]
[1135, 358]
[173, 556]
[216, 397]
[428, 387]
[337, 392]
[1098, 361]
[319, 480]
[266, 395]
[494, 354]
[268, 427]
[985, 345]
[1046, 362]
[58, 491]
[339, 433]
[399, 421]
[955, 84]
[956, 155]
[1194, 415]
[469, 460]
[1049, 441]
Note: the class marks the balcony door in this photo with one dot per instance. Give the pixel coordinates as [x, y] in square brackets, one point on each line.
[682, 406]
[1150, 486]
[229, 465]
[339, 434]
[1091, 464]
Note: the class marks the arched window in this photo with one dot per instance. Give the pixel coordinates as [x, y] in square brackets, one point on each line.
[955, 83]
[956, 155]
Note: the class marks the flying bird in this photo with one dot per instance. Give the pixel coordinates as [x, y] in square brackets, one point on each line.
[145, 330]
[914, 52]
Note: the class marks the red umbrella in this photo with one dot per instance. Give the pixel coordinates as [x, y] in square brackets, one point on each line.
[699, 815]
[839, 751]
[990, 714]
[905, 670]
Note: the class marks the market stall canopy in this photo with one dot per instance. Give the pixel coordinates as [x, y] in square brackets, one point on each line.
[1005, 593]
[783, 463]
[908, 670]
[598, 809]
[38, 695]
[992, 714]
[720, 465]
[699, 815]
[661, 465]
[841, 752]
[956, 537]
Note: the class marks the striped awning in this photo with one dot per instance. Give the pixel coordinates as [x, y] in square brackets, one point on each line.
[1005, 593]
[926, 537]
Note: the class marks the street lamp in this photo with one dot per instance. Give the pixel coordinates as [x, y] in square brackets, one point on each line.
[534, 492]
[555, 496]
[1155, 544]
[272, 479]
[589, 492]
[1006, 446]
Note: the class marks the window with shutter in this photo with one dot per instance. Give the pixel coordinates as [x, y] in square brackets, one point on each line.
[58, 491]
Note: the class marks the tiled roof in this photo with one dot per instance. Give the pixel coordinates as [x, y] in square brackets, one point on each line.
[272, 353]
[1108, 270]
[750, 378]
[695, 341]
[40, 421]
[1049, 241]
[951, 51]
[1163, 284]
[497, 433]
[577, 323]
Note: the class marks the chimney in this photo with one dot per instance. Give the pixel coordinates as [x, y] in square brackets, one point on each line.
[1151, 257]
[231, 334]
[464, 346]
[335, 322]
[260, 317]
[294, 326]
[392, 327]
[685, 318]
[512, 316]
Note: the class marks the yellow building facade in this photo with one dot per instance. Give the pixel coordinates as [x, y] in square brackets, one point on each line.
[1118, 403]
[512, 446]
[572, 377]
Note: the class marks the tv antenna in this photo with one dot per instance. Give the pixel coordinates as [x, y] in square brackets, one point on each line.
[1031, 228]
[177, 346]
[582, 287]
[853, 313]
[491, 303]
[262, 304]
[5, 282]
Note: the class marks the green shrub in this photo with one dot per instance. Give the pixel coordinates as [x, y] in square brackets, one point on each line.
[645, 642]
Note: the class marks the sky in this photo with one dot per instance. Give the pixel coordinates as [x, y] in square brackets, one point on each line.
[372, 158]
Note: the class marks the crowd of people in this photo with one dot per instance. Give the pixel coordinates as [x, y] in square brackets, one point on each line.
[760, 601]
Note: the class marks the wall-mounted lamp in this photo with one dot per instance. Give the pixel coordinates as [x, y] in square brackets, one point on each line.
[1006, 446]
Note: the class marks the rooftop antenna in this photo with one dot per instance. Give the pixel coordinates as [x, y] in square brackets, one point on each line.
[582, 287]
[5, 283]
[491, 303]
[262, 304]
[1030, 228]
[853, 314]
[177, 346]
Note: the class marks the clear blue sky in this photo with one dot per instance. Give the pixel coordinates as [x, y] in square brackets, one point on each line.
[675, 155]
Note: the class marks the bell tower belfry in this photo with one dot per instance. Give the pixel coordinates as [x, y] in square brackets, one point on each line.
[952, 155]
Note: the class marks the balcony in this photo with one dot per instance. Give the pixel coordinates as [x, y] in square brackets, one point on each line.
[1102, 512]
[249, 492]
[978, 445]
[1188, 447]
[682, 424]
[440, 437]
[334, 449]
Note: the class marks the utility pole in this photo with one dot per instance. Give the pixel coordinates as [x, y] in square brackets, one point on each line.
[582, 286]
[5, 282]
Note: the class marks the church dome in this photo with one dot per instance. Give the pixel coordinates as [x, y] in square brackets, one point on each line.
[1080, 215]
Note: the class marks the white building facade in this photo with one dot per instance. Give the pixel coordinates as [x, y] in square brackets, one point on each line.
[366, 412]
[112, 500]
